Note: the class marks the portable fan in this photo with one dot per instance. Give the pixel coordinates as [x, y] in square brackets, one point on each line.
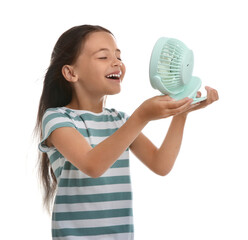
[171, 67]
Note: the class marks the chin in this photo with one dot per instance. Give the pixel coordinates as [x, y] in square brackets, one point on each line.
[113, 91]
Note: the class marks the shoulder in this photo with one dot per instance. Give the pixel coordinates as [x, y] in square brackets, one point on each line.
[53, 119]
[117, 115]
[56, 117]
[56, 112]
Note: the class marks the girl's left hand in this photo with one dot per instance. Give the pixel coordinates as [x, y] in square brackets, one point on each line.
[212, 96]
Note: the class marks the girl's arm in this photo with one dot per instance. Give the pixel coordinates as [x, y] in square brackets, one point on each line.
[95, 161]
[161, 160]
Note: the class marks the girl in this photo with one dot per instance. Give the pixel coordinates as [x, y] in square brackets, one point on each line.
[85, 145]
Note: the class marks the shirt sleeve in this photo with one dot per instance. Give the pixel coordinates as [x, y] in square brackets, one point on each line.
[124, 116]
[53, 119]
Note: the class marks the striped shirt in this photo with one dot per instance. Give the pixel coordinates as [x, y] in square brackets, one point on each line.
[85, 207]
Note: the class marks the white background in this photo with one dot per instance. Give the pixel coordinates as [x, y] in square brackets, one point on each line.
[205, 196]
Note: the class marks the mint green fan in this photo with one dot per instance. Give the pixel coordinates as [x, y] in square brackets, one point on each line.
[171, 67]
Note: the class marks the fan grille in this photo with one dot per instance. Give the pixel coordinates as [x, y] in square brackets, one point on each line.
[170, 63]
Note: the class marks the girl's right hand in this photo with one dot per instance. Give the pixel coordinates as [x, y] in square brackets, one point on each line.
[159, 107]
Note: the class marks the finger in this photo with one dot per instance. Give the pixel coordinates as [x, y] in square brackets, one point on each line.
[209, 95]
[198, 94]
[178, 103]
[208, 89]
[186, 106]
[212, 95]
[195, 106]
[216, 95]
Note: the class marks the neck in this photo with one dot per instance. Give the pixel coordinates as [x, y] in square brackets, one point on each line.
[88, 103]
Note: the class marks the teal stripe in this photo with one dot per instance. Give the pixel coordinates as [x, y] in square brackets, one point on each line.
[92, 231]
[57, 125]
[104, 197]
[89, 117]
[69, 166]
[85, 117]
[82, 215]
[67, 123]
[56, 155]
[121, 115]
[101, 118]
[74, 182]
[118, 164]
[54, 116]
[96, 118]
[58, 171]
[121, 163]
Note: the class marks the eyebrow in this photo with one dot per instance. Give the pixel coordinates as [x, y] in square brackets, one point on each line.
[106, 49]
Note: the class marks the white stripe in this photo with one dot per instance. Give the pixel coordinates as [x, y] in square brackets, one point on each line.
[92, 139]
[51, 152]
[95, 140]
[94, 189]
[124, 155]
[92, 206]
[58, 163]
[89, 123]
[111, 172]
[119, 236]
[54, 121]
[81, 125]
[74, 113]
[104, 222]
[98, 125]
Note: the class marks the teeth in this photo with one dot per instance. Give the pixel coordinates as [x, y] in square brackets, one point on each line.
[114, 75]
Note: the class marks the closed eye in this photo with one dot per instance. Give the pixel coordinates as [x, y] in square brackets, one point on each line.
[106, 58]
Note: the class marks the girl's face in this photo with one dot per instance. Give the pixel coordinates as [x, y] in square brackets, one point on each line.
[99, 68]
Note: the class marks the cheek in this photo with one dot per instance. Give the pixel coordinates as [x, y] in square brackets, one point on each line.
[123, 70]
[94, 71]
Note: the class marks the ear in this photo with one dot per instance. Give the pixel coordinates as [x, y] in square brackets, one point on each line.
[69, 74]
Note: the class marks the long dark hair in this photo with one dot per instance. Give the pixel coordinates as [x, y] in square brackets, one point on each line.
[57, 92]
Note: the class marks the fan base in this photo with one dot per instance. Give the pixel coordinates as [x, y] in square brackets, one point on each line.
[190, 91]
[196, 100]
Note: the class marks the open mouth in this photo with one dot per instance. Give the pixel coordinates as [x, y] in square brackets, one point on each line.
[114, 76]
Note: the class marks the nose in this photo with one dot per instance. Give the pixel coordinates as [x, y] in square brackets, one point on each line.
[117, 62]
